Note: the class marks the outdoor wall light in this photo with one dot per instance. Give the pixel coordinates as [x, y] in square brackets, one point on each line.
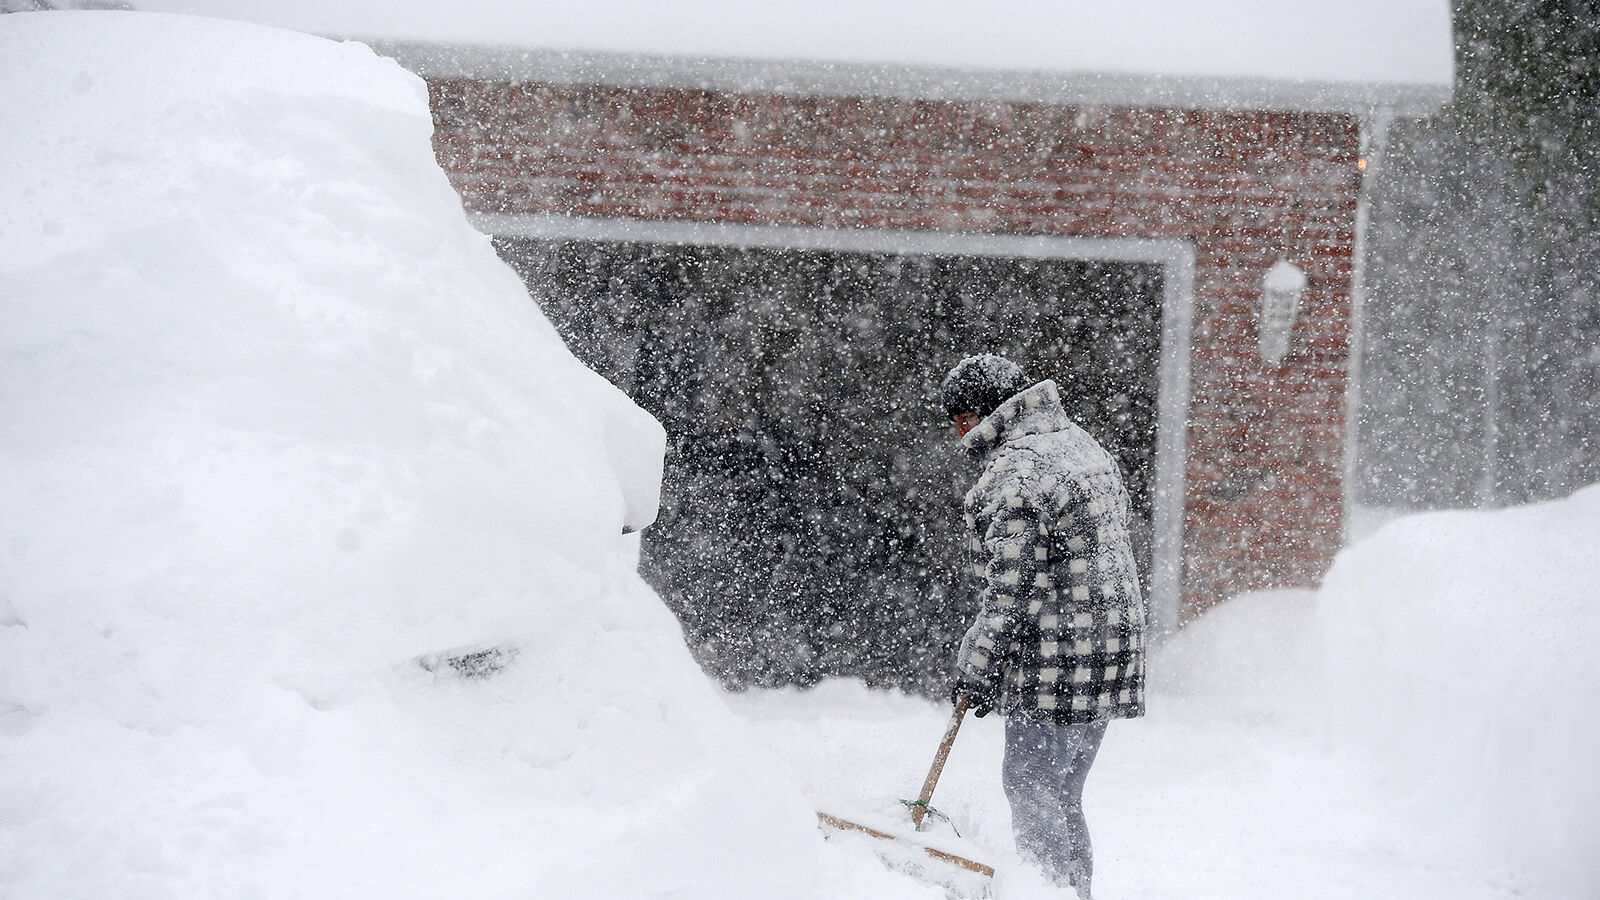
[1280, 305]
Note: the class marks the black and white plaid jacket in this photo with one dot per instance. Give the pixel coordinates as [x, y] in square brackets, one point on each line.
[1060, 631]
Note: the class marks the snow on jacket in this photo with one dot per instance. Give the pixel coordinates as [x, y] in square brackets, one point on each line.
[1060, 629]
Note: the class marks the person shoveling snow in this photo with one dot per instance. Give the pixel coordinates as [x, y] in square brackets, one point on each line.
[1058, 643]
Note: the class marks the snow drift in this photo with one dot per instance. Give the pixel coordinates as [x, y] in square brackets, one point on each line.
[312, 575]
[1460, 649]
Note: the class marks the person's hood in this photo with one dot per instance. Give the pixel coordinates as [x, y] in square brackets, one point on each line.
[1036, 410]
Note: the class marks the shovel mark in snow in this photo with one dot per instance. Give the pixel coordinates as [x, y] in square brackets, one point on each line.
[470, 662]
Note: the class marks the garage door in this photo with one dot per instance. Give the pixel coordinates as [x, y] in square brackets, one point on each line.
[810, 511]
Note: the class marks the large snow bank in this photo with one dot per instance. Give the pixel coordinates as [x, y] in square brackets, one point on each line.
[1461, 646]
[280, 437]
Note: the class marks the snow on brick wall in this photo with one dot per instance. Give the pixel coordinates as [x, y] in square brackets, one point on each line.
[1263, 505]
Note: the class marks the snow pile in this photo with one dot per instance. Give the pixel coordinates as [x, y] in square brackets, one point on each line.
[312, 579]
[1256, 659]
[1461, 645]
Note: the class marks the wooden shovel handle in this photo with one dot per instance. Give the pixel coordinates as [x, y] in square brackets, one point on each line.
[921, 808]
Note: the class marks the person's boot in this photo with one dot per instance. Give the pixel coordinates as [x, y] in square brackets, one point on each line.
[1078, 878]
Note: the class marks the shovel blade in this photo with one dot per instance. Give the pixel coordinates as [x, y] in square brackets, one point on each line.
[838, 824]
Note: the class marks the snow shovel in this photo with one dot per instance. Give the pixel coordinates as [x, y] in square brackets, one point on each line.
[920, 808]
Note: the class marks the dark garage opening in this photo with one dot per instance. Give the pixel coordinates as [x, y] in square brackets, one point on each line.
[811, 503]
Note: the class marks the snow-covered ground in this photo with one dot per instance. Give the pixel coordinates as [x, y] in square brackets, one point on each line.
[280, 437]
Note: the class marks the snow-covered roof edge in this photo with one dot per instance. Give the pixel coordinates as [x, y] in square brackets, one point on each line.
[828, 78]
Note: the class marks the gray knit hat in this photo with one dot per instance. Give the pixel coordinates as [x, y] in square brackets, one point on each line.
[979, 384]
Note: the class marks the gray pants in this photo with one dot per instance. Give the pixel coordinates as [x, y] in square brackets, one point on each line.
[1044, 771]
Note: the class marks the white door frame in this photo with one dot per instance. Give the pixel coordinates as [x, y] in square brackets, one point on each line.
[1175, 257]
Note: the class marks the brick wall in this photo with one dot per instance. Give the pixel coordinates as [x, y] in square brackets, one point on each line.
[1265, 442]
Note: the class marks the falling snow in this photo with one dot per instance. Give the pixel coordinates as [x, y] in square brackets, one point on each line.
[525, 475]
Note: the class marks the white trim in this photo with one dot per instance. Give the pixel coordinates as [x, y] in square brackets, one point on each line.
[1172, 434]
[1176, 258]
[1374, 137]
[814, 78]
